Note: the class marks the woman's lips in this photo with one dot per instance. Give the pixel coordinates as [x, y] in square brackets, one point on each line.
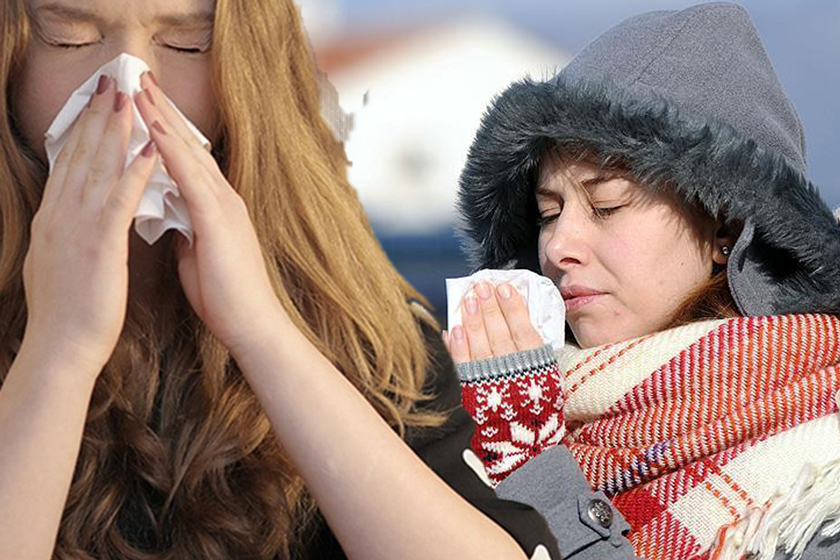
[575, 303]
[576, 297]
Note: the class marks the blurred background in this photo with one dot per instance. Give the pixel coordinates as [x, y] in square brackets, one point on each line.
[412, 79]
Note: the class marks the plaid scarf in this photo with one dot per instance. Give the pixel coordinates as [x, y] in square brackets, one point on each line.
[713, 439]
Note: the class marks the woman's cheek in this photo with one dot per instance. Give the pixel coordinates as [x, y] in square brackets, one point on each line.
[542, 239]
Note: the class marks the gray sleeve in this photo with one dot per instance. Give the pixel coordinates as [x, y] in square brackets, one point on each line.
[584, 522]
[818, 548]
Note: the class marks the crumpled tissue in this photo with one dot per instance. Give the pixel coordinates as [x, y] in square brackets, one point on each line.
[161, 207]
[545, 304]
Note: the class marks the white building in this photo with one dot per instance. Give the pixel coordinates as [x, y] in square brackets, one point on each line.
[426, 88]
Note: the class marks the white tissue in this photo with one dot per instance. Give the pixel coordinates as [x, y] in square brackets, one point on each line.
[161, 207]
[545, 304]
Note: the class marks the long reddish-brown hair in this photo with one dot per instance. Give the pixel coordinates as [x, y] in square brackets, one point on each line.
[174, 436]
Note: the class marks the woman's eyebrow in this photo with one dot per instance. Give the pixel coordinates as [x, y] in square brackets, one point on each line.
[597, 179]
[86, 16]
[69, 12]
[543, 190]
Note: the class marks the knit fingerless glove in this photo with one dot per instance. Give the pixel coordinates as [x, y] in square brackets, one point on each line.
[516, 401]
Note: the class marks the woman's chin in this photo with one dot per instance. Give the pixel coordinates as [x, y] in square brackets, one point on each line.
[589, 336]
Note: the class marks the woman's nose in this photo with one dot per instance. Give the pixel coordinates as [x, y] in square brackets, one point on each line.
[565, 243]
[137, 45]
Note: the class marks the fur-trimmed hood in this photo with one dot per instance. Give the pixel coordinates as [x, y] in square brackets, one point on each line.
[690, 101]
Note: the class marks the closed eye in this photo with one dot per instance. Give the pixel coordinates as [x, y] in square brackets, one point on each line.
[185, 50]
[543, 221]
[605, 212]
[71, 45]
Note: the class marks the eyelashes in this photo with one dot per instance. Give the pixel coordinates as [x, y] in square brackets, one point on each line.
[543, 221]
[70, 46]
[183, 50]
[605, 212]
[597, 213]
[186, 50]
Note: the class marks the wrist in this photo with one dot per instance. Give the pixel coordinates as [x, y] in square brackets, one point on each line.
[525, 363]
[67, 361]
[273, 329]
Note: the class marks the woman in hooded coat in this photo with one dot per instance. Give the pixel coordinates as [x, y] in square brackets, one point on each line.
[660, 181]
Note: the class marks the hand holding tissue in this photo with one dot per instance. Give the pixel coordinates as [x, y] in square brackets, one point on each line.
[545, 304]
[161, 208]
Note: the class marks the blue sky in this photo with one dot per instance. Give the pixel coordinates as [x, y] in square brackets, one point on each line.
[802, 39]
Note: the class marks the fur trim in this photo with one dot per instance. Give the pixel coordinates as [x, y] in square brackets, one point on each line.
[707, 162]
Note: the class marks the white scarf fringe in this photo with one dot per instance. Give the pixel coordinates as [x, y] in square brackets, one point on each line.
[789, 521]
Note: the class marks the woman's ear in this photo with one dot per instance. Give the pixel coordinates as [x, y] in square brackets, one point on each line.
[725, 237]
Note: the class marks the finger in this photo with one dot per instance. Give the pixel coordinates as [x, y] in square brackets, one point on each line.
[515, 310]
[156, 97]
[194, 181]
[100, 110]
[459, 347]
[495, 325]
[108, 164]
[122, 201]
[58, 174]
[154, 106]
[473, 327]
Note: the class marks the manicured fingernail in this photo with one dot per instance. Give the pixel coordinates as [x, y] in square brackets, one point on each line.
[504, 290]
[159, 127]
[149, 150]
[102, 85]
[148, 95]
[119, 101]
[471, 304]
[458, 333]
[483, 290]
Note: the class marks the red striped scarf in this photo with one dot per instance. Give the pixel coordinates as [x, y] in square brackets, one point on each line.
[697, 432]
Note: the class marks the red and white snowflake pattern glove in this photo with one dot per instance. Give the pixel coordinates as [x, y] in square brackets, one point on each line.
[516, 401]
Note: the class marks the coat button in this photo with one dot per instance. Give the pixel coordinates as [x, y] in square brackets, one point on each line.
[601, 513]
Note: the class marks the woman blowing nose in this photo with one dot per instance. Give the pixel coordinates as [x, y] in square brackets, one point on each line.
[264, 392]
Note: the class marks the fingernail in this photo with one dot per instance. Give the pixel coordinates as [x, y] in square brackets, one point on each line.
[471, 304]
[159, 127]
[504, 290]
[148, 95]
[149, 150]
[153, 78]
[119, 101]
[102, 85]
[483, 290]
[458, 333]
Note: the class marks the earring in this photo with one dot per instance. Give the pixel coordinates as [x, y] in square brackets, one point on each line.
[725, 250]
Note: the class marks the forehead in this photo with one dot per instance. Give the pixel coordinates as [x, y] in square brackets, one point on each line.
[147, 12]
[557, 176]
[553, 169]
